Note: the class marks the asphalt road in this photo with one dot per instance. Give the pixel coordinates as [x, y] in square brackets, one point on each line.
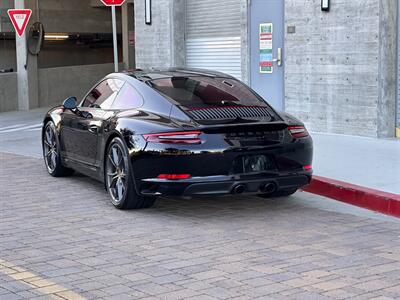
[62, 239]
[20, 132]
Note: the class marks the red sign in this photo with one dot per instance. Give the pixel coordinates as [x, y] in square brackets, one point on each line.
[266, 64]
[20, 19]
[266, 36]
[113, 2]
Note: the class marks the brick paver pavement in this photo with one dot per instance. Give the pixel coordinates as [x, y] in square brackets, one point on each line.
[62, 239]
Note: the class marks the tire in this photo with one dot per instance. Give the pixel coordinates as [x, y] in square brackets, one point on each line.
[51, 152]
[119, 179]
[279, 193]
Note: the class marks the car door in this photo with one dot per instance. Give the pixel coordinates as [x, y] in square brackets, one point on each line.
[79, 133]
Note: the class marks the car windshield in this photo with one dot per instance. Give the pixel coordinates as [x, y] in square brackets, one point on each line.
[206, 92]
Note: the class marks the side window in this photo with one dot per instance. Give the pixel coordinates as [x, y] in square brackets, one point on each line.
[128, 98]
[103, 95]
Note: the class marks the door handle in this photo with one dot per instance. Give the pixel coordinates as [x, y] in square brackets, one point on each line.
[279, 59]
[94, 129]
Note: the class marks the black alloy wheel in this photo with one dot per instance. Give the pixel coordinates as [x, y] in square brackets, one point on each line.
[119, 180]
[51, 152]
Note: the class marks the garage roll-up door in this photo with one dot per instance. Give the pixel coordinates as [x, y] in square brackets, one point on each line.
[213, 35]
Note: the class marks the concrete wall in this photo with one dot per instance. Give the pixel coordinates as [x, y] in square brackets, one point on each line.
[160, 44]
[56, 84]
[64, 68]
[128, 32]
[7, 47]
[8, 59]
[60, 16]
[76, 16]
[8, 92]
[60, 54]
[339, 77]
[5, 23]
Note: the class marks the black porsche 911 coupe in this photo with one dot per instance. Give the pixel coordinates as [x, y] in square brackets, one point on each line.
[177, 132]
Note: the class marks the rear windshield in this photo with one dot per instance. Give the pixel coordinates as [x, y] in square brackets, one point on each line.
[206, 92]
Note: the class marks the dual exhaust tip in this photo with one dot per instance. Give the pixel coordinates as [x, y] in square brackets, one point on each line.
[267, 188]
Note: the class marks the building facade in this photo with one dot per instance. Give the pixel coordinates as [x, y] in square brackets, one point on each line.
[335, 68]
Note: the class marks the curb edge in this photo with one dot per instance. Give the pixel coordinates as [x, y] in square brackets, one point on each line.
[378, 201]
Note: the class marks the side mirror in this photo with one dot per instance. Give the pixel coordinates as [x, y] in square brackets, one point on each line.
[86, 115]
[70, 103]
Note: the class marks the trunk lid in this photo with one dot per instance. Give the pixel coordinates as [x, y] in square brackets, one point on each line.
[249, 135]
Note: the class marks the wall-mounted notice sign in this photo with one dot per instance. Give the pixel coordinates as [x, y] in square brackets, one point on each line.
[266, 56]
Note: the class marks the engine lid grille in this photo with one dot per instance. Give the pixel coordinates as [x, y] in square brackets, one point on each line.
[231, 112]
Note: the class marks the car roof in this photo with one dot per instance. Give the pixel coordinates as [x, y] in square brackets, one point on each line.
[153, 74]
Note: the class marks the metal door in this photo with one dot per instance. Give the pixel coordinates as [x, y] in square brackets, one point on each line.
[267, 65]
[213, 30]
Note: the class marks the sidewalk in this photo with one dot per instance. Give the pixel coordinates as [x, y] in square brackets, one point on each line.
[360, 171]
[368, 162]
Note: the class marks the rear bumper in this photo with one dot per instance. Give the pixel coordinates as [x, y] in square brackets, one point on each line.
[213, 167]
[221, 185]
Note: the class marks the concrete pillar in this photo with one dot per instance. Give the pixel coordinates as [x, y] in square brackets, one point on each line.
[386, 127]
[128, 32]
[161, 44]
[27, 73]
[245, 33]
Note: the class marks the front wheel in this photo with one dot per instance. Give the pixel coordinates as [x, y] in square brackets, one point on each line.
[119, 180]
[51, 152]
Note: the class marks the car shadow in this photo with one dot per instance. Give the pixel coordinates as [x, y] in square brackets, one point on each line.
[207, 207]
[230, 208]
[223, 207]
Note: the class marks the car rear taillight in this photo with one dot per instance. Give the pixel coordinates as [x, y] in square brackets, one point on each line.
[298, 131]
[307, 168]
[184, 137]
[174, 176]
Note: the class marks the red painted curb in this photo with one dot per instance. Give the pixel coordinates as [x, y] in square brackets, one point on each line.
[371, 199]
